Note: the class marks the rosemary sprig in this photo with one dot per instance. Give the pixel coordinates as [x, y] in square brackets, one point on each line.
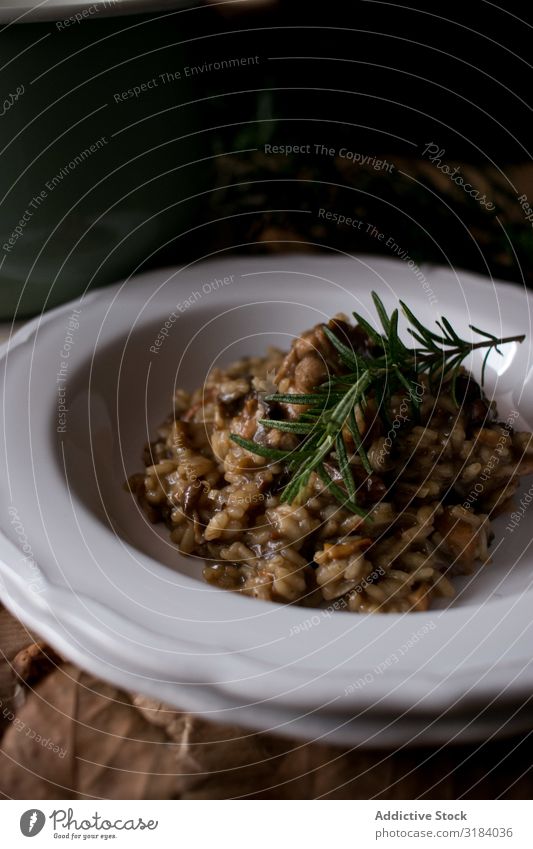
[331, 409]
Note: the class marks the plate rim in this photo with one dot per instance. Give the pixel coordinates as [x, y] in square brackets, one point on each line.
[26, 333]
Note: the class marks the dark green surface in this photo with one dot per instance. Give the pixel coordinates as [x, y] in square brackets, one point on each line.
[94, 221]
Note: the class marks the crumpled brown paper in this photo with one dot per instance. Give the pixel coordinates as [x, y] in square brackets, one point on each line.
[68, 735]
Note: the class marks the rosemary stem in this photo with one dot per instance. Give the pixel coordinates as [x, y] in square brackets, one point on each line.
[474, 346]
[505, 341]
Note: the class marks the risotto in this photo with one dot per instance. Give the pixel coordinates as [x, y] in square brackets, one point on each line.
[430, 477]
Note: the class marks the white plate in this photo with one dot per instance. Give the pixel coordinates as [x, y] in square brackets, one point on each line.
[79, 560]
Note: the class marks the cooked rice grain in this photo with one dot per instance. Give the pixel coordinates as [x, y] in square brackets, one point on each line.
[429, 498]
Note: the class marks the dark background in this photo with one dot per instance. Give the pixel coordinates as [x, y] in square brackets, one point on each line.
[462, 71]
[184, 173]
[385, 80]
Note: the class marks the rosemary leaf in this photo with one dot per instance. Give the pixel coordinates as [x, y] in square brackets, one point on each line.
[303, 400]
[265, 450]
[338, 493]
[382, 313]
[372, 333]
[484, 365]
[344, 467]
[346, 354]
[358, 442]
[298, 427]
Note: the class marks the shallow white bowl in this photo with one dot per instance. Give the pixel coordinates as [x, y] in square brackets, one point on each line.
[80, 563]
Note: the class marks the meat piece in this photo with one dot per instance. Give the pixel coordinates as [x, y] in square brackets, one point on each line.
[233, 390]
[311, 359]
[460, 536]
[310, 372]
[312, 343]
[467, 389]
